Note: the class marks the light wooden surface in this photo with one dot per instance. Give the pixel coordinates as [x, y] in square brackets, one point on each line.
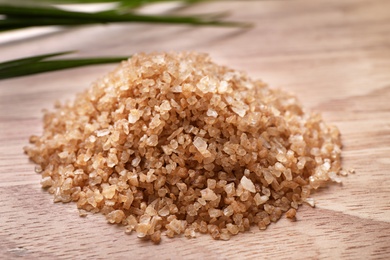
[335, 55]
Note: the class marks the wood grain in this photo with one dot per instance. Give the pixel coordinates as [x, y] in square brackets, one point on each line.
[335, 55]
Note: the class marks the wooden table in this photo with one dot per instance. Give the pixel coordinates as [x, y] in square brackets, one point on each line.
[335, 55]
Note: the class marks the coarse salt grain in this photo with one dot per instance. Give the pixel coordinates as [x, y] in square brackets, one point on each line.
[201, 145]
[260, 199]
[239, 111]
[248, 184]
[134, 116]
[102, 132]
[208, 194]
[211, 112]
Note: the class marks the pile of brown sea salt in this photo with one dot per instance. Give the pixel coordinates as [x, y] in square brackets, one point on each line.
[173, 143]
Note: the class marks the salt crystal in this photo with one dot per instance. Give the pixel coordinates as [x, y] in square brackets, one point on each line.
[223, 86]
[83, 213]
[159, 59]
[229, 100]
[315, 183]
[239, 111]
[134, 115]
[206, 85]
[112, 160]
[190, 232]
[192, 100]
[92, 138]
[248, 184]
[291, 213]
[275, 111]
[46, 182]
[301, 163]
[176, 226]
[259, 200]
[333, 176]
[208, 194]
[167, 150]
[211, 112]
[142, 229]
[63, 155]
[135, 162]
[228, 211]
[109, 191]
[287, 174]
[315, 151]
[150, 176]
[115, 216]
[38, 169]
[173, 144]
[211, 183]
[152, 140]
[177, 89]
[266, 191]
[281, 157]
[201, 145]
[268, 177]
[164, 211]
[279, 167]
[214, 213]
[229, 189]
[155, 122]
[150, 210]
[241, 151]
[165, 106]
[201, 201]
[326, 165]
[310, 201]
[233, 229]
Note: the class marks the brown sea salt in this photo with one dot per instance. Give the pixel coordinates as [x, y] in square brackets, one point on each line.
[171, 143]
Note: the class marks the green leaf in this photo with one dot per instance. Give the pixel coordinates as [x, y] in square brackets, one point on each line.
[127, 3]
[28, 60]
[38, 64]
[27, 16]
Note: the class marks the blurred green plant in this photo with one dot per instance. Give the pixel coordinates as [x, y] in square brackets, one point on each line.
[20, 14]
[123, 3]
[40, 64]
